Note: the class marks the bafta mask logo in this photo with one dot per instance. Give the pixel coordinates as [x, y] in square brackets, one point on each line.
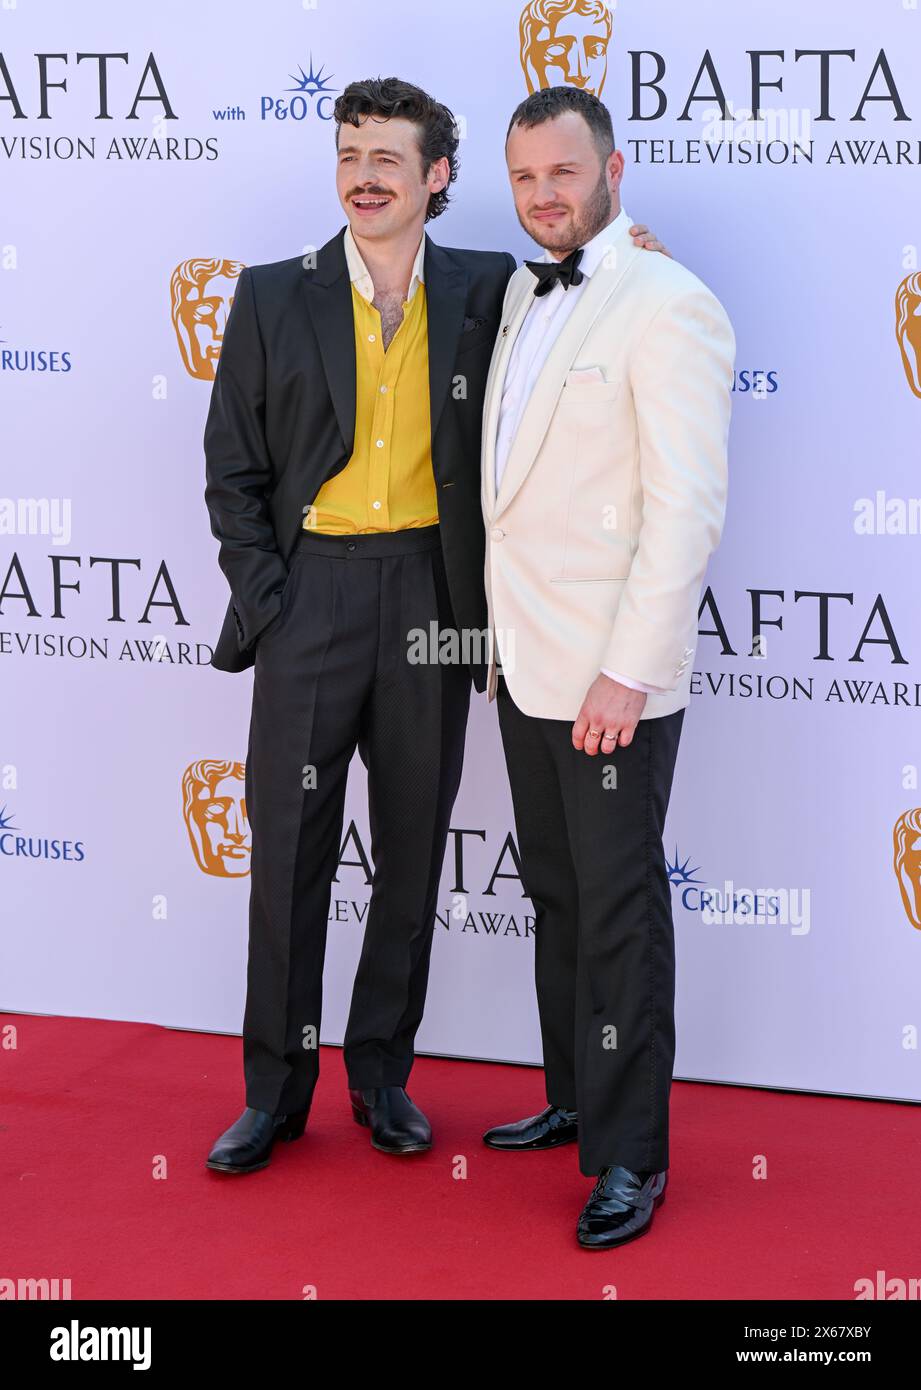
[214, 810]
[201, 293]
[908, 328]
[565, 41]
[907, 862]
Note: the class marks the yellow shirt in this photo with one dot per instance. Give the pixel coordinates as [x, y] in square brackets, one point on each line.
[388, 484]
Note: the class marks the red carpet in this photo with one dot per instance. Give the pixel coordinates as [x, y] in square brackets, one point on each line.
[90, 1108]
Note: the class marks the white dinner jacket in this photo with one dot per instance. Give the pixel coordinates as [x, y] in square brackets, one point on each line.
[613, 495]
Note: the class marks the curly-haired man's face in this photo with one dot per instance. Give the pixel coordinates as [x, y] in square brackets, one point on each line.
[379, 177]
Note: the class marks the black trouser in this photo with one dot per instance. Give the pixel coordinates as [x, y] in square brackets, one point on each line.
[594, 867]
[332, 673]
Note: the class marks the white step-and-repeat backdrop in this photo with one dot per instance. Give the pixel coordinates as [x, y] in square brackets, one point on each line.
[147, 152]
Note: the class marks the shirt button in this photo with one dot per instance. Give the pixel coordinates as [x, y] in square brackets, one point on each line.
[376, 506]
[370, 337]
[383, 390]
[380, 443]
[497, 533]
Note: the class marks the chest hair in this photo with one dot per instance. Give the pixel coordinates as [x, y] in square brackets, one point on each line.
[389, 304]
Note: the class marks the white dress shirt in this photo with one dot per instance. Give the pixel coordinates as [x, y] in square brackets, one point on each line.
[541, 327]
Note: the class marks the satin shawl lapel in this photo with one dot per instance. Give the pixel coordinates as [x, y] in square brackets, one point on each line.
[541, 404]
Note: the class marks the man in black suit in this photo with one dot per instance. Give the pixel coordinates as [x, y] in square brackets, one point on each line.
[342, 465]
[342, 481]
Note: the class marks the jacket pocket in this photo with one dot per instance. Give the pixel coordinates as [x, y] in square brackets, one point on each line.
[585, 392]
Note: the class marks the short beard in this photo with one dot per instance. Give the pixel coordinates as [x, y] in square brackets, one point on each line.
[588, 222]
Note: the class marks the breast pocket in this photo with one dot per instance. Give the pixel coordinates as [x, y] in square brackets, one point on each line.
[483, 336]
[578, 393]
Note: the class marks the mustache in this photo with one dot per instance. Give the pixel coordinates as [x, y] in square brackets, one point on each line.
[370, 193]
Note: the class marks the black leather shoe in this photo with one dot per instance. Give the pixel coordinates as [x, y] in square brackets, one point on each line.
[551, 1127]
[397, 1126]
[620, 1208]
[247, 1144]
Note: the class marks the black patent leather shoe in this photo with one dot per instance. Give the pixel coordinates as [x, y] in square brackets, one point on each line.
[397, 1126]
[247, 1144]
[547, 1130]
[620, 1208]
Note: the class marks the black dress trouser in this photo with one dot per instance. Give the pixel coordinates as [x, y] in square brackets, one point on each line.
[594, 867]
[332, 673]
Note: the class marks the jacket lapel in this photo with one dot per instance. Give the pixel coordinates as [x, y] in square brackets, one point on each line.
[328, 295]
[542, 402]
[445, 299]
[514, 318]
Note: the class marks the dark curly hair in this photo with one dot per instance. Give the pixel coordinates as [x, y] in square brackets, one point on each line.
[390, 96]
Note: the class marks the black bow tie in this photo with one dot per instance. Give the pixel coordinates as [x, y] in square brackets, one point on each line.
[549, 272]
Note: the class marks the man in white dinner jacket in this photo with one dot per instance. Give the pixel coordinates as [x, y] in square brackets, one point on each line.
[604, 491]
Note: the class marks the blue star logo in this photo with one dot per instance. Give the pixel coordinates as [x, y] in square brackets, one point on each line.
[310, 82]
[680, 873]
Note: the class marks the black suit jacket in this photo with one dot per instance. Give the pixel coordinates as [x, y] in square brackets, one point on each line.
[282, 420]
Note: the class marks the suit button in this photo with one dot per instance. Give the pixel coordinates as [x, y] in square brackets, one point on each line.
[497, 533]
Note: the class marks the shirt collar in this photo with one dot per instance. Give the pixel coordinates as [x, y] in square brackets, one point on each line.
[594, 251]
[360, 276]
